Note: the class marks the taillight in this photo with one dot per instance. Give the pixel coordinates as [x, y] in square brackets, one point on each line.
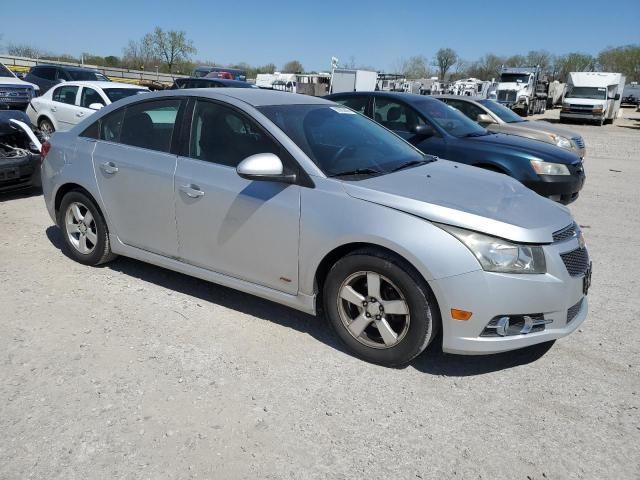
[46, 146]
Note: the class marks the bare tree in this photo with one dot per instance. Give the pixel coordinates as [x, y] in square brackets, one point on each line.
[24, 50]
[572, 62]
[413, 67]
[294, 66]
[171, 46]
[445, 59]
[540, 57]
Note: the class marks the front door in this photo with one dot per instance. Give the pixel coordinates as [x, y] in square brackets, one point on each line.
[134, 169]
[241, 228]
[402, 119]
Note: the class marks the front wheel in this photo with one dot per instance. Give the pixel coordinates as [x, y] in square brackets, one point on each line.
[380, 307]
[46, 127]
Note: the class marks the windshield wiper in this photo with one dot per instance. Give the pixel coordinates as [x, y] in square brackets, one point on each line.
[414, 163]
[357, 171]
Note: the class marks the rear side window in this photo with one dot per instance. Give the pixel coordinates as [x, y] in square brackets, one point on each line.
[150, 124]
[469, 109]
[65, 94]
[221, 135]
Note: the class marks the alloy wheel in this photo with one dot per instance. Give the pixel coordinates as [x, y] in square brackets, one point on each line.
[373, 310]
[81, 228]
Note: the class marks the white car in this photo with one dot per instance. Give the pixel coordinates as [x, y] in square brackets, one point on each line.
[67, 104]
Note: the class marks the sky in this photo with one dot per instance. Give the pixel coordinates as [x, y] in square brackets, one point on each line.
[375, 33]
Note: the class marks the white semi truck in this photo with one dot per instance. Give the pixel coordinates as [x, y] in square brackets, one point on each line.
[593, 97]
[522, 89]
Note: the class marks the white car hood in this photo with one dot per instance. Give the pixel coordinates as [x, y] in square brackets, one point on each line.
[467, 197]
[17, 81]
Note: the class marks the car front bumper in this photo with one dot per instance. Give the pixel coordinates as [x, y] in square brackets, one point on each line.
[560, 188]
[596, 117]
[555, 296]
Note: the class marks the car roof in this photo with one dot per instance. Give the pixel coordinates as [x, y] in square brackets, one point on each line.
[407, 97]
[255, 97]
[68, 67]
[461, 97]
[101, 84]
[222, 81]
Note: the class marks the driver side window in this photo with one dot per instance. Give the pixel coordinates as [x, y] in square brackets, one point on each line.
[221, 135]
[396, 116]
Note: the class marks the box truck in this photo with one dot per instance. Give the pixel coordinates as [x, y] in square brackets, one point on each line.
[593, 97]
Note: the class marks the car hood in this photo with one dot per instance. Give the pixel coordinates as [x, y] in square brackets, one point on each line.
[466, 197]
[533, 149]
[17, 82]
[548, 127]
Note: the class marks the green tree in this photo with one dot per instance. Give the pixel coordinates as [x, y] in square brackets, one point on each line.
[625, 60]
[572, 62]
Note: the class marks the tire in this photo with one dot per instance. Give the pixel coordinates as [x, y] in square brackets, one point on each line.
[46, 127]
[77, 209]
[393, 284]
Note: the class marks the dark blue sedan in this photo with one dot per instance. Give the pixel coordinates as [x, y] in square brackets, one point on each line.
[441, 130]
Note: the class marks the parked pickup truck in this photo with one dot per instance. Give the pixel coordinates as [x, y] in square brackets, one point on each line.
[15, 94]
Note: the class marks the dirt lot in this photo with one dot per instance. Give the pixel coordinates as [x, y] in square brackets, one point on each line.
[130, 371]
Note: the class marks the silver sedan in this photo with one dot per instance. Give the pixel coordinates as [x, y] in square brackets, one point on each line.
[305, 202]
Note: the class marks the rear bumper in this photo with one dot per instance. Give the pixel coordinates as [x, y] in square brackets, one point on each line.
[560, 188]
[21, 173]
[490, 295]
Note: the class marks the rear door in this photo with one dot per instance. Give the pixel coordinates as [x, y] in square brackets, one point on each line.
[88, 97]
[64, 107]
[134, 168]
[401, 118]
[242, 228]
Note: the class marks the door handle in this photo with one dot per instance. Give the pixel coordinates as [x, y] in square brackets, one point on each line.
[80, 114]
[192, 190]
[109, 167]
[54, 109]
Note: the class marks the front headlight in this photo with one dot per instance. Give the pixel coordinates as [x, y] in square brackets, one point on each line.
[562, 142]
[498, 255]
[548, 168]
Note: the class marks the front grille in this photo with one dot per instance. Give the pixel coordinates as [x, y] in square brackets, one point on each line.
[507, 95]
[579, 142]
[566, 233]
[581, 108]
[576, 261]
[573, 311]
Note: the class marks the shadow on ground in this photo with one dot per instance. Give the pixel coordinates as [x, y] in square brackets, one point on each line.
[433, 361]
[18, 194]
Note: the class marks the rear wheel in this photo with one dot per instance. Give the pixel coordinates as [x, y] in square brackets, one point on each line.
[46, 127]
[85, 231]
[380, 307]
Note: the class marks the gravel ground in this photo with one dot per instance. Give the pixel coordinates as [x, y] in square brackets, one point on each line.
[131, 371]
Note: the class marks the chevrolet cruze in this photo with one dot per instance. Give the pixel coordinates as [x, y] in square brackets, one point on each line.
[305, 202]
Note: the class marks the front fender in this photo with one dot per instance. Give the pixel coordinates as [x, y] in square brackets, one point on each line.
[330, 219]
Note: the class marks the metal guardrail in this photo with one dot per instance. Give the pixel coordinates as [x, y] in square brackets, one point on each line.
[23, 64]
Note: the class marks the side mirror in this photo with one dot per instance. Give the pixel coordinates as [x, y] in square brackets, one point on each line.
[617, 97]
[485, 119]
[96, 106]
[423, 131]
[266, 167]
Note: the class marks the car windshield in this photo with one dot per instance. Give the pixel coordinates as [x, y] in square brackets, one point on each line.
[4, 72]
[514, 77]
[116, 94]
[506, 114]
[341, 142]
[449, 119]
[594, 93]
[84, 75]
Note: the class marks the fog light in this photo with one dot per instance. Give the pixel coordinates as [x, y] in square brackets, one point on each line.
[507, 325]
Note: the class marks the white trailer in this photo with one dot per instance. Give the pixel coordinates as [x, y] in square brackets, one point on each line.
[593, 96]
[347, 80]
